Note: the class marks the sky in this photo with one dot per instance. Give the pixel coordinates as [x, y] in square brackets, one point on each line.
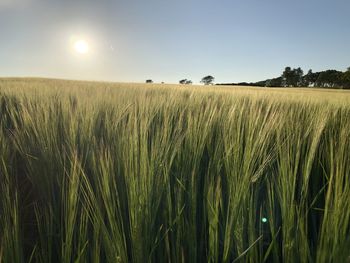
[168, 40]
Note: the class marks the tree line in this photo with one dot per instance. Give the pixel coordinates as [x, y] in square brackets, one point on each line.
[207, 80]
[296, 78]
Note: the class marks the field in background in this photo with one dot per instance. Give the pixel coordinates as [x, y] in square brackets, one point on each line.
[103, 172]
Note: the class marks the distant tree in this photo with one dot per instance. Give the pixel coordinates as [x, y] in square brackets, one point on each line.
[309, 72]
[276, 82]
[262, 83]
[207, 80]
[149, 81]
[308, 78]
[287, 77]
[295, 78]
[322, 80]
[329, 79]
[292, 78]
[346, 79]
[298, 77]
[185, 81]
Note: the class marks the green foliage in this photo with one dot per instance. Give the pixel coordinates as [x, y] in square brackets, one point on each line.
[276, 82]
[100, 172]
[329, 78]
[346, 79]
[185, 81]
[207, 80]
[292, 77]
[295, 78]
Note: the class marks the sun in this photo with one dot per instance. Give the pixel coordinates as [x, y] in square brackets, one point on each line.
[81, 46]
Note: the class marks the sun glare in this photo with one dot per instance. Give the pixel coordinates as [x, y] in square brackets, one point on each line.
[81, 46]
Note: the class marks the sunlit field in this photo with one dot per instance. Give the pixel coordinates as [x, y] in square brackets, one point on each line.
[103, 172]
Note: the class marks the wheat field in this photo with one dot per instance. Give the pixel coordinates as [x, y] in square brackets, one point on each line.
[108, 172]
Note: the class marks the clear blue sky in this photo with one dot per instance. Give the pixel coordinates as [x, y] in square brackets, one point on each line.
[166, 40]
